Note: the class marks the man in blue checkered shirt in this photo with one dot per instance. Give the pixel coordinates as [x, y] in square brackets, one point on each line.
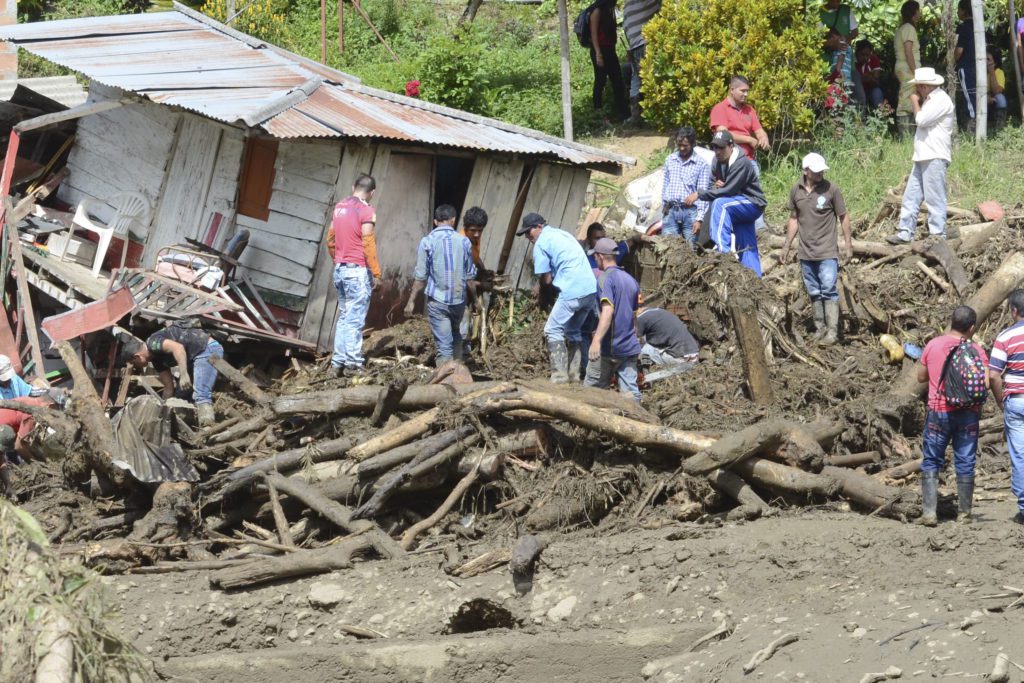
[685, 173]
[444, 269]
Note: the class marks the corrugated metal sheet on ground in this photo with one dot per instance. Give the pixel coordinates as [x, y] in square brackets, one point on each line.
[183, 59]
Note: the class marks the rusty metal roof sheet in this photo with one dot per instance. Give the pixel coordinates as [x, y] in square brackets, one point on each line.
[185, 59]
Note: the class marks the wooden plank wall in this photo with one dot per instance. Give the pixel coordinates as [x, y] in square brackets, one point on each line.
[322, 304]
[557, 193]
[283, 250]
[493, 187]
[122, 150]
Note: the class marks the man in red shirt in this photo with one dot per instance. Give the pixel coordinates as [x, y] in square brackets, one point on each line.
[739, 118]
[352, 244]
[945, 423]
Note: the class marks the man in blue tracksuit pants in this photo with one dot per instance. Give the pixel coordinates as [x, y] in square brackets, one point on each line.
[737, 201]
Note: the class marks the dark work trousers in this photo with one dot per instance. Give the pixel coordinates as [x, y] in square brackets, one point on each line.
[611, 70]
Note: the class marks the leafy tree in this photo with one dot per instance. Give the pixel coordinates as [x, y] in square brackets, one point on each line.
[693, 48]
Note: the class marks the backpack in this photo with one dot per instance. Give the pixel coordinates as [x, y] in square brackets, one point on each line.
[581, 27]
[963, 377]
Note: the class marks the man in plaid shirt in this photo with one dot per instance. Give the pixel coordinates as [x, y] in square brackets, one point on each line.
[445, 271]
[685, 173]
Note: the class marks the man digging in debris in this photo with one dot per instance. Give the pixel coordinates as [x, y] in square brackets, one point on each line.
[955, 369]
[815, 207]
[615, 348]
[188, 348]
[667, 343]
[737, 201]
[445, 270]
[1006, 375]
[935, 116]
[559, 260]
[353, 246]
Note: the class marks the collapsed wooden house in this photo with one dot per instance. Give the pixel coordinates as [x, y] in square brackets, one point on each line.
[220, 132]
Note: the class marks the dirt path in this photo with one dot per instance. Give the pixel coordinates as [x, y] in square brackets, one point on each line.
[605, 606]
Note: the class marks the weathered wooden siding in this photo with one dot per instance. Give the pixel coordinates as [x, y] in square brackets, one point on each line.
[494, 186]
[122, 150]
[321, 305]
[557, 193]
[283, 250]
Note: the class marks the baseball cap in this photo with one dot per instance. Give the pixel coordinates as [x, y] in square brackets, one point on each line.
[605, 245]
[6, 369]
[815, 163]
[7, 438]
[722, 138]
[530, 220]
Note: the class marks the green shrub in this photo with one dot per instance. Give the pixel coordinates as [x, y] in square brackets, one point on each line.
[692, 50]
[452, 69]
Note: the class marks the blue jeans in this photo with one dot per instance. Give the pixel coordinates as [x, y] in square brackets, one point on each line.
[204, 375]
[732, 229]
[679, 221]
[1000, 102]
[820, 279]
[659, 357]
[958, 426]
[586, 336]
[354, 285]
[624, 367]
[444, 322]
[927, 183]
[875, 97]
[1013, 422]
[567, 317]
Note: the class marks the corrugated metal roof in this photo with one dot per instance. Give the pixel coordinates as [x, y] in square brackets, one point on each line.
[62, 89]
[184, 59]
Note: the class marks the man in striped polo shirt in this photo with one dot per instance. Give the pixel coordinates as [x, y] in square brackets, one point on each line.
[445, 269]
[1006, 376]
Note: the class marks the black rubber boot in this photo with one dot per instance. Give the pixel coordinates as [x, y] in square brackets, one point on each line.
[575, 357]
[559, 361]
[965, 497]
[929, 499]
[818, 312]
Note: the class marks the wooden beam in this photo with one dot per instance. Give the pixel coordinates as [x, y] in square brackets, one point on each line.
[67, 115]
[24, 295]
[755, 365]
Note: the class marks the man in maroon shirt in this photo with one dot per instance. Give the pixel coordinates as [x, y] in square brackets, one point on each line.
[739, 118]
[353, 245]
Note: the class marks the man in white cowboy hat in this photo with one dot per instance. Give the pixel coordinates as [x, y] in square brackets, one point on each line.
[935, 116]
[816, 210]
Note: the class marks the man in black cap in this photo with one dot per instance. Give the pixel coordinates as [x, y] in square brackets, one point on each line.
[559, 260]
[737, 201]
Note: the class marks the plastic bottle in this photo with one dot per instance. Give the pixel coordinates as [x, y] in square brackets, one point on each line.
[892, 346]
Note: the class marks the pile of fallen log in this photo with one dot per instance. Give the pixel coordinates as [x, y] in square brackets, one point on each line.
[401, 489]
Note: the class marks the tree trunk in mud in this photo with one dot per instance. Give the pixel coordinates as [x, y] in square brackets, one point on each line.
[738, 446]
[785, 479]
[100, 447]
[302, 563]
[873, 495]
[750, 504]
[751, 342]
[245, 385]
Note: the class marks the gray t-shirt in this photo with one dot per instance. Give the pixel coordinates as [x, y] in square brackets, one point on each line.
[666, 332]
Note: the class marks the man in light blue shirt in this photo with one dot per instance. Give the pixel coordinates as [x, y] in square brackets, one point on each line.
[559, 260]
[12, 386]
[444, 269]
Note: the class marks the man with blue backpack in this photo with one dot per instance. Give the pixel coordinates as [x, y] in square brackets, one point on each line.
[956, 371]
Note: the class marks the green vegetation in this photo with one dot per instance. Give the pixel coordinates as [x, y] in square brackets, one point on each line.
[693, 50]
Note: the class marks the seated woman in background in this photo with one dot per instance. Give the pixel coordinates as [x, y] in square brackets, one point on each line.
[998, 106]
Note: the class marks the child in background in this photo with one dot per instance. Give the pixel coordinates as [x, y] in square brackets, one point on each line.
[870, 68]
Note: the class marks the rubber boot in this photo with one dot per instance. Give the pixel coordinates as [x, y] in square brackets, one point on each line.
[929, 499]
[831, 322]
[965, 497]
[559, 361]
[998, 120]
[818, 311]
[205, 414]
[575, 355]
[5, 478]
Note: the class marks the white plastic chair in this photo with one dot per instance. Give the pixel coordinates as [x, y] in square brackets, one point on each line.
[128, 208]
